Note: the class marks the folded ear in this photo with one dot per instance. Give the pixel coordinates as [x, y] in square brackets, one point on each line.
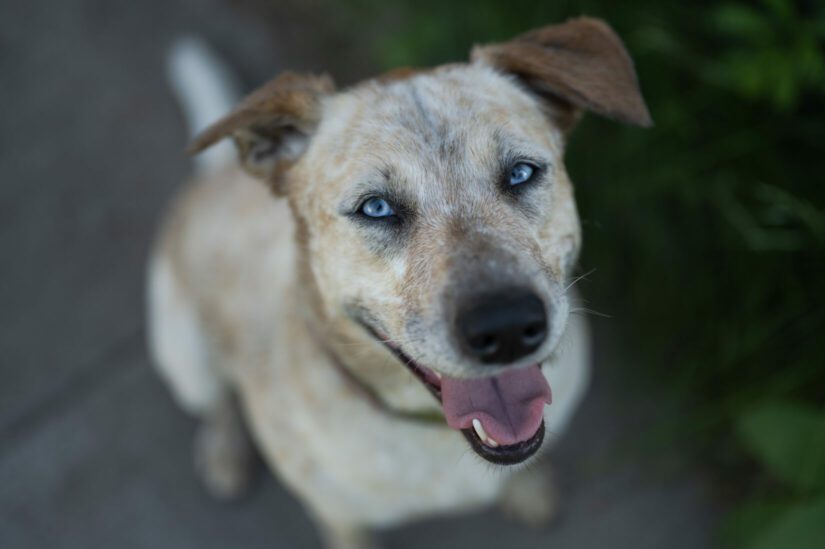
[580, 64]
[272, 126]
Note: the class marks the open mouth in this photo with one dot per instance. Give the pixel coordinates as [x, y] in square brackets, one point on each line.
[501, 416]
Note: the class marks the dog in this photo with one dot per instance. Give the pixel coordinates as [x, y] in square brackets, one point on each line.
[377, 298]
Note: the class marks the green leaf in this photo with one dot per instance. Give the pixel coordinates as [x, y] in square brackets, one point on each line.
[744, 525]
[802, 527]
[741, 21]
[789, 440]
[783, 9]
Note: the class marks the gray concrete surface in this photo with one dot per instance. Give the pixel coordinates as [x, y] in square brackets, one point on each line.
[92, 451]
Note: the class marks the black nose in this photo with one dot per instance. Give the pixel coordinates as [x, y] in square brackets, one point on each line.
[504, 327]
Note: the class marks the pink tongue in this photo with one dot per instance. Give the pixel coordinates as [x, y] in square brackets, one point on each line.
[510, 405]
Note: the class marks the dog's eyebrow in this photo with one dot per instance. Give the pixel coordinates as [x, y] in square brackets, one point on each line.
[382, 182]
[511, 148]
[387, 173]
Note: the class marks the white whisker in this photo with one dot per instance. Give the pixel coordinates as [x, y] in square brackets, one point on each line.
[585, 310]
[579, 278]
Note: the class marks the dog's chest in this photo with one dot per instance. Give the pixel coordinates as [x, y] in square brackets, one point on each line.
[332, 447]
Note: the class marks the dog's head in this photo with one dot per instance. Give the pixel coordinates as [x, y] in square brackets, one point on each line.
[436, 218]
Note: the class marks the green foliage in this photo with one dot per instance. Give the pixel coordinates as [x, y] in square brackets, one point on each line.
[777, 526]
[707, 231]
[746, 525]
[801, 527]
[776, 53]
[789, 439]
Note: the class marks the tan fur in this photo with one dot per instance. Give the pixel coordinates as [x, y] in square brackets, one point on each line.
[401, 73]
[581, 62]
[284, 109]
[269, 284]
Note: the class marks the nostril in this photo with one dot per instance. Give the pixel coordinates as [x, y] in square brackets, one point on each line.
[502, 328]
[484, 344]
[533, 334]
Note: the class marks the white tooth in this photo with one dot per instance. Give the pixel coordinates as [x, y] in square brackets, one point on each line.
[437, 374]
[480, 430]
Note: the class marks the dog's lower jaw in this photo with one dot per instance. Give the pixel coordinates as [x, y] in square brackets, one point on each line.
[506, 455]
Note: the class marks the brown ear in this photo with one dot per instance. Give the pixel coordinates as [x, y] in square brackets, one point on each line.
[580, 64]
[272, 126]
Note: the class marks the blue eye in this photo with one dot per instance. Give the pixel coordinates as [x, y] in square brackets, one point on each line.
[521, 173]
[376, 207]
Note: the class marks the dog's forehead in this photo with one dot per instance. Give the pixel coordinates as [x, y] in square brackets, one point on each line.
[451, 124]
[426, 107]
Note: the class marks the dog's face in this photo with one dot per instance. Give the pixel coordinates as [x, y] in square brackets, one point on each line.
[436, 216]
[430, 199]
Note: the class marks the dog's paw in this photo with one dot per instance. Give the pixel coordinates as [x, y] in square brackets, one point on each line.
[531, 497]
[343, 536]
[224, 460]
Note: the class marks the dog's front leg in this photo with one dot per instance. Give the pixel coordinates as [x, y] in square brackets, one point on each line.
[530, 496]
[340, 535]
[224, 454]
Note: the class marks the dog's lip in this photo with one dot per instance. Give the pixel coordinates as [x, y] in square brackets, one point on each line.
[506, 455]
[427, 376]
[501, 455]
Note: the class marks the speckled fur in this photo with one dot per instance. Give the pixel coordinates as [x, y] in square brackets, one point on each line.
[264, 286]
